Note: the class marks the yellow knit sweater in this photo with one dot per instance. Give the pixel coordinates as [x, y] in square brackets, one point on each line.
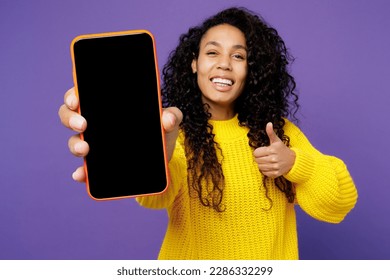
[246, 230]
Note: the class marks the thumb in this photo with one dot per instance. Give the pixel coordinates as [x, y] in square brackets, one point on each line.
[171, 118]
[273, 138]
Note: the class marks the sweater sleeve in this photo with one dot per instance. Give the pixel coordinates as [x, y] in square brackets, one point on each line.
[176, 174]
[324, 187]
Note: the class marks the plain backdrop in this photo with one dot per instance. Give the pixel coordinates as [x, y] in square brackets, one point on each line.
[341, 67]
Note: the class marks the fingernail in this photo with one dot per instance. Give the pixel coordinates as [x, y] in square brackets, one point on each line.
[76, 123]
[74, 176]
[78, 147]
[70, 101]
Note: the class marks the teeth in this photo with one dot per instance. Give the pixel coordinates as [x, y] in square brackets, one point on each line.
[222, 81]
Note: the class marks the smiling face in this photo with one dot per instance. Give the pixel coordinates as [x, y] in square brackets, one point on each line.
[221, 69]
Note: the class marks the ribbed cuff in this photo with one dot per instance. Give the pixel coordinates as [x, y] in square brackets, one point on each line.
[303, 167]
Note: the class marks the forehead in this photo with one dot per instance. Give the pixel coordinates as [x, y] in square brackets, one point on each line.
[224, 34]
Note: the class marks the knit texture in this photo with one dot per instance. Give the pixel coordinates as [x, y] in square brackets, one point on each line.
[247, 229]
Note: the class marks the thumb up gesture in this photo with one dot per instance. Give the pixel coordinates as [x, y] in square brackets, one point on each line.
[276, 159]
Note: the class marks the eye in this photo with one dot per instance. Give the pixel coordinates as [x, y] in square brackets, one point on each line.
[211, 53]
[238, 56]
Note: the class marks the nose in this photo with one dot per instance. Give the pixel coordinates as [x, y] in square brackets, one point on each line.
[224, 62]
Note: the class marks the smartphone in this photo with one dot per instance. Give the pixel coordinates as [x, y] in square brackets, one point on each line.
[117, 80]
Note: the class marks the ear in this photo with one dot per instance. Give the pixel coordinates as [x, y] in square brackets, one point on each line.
[193, 66]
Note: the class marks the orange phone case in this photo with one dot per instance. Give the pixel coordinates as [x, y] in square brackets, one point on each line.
[80, 110]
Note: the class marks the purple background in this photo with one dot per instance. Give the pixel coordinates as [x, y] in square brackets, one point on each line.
[342, 71]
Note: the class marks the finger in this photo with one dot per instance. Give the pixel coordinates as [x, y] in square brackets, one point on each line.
[269, 169]
[71, 100]
[79, 175]
[72, 119]
[267, 160]
[68, 112]
[77, 122]
[261, 152]
[171, 118]
[270, 174]
[77, 146]
[273, 138]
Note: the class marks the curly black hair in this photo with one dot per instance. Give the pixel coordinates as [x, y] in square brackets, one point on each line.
[269, 96]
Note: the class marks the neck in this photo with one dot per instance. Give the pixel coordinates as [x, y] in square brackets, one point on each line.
[221, 114]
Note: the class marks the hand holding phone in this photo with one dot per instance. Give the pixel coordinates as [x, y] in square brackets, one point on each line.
[116, 78]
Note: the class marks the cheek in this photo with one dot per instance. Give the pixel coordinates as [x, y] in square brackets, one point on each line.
[202, 82]
[203, 73]
[244, 72]
[204, 65]
[242, 76]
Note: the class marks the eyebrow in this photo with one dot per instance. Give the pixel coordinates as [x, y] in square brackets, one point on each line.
[215, 43]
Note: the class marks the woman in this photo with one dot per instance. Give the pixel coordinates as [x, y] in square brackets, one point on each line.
[238, 163]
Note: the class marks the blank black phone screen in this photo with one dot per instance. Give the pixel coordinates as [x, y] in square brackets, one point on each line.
[118, 87]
